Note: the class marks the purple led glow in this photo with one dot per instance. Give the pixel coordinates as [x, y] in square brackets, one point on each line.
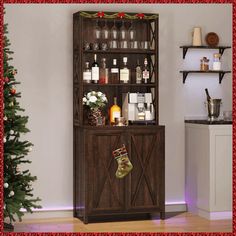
[70, 208]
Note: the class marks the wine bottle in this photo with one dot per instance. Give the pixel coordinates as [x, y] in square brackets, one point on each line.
[95, 70]
[114, 73]
[124, 72]
[138, 73]
[207, 94]
[103, 73]
[145, 72]
[87, 76]
[115, 111]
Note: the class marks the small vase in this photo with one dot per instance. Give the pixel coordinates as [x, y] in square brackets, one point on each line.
[95, 117]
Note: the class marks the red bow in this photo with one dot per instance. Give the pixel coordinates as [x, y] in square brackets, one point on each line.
[121, 15]
[100, 14]
[140, 15]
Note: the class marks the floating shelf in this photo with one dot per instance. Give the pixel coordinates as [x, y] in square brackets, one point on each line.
[220, 72]
[220, 48]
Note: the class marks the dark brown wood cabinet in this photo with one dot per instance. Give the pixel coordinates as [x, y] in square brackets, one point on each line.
[98, 194]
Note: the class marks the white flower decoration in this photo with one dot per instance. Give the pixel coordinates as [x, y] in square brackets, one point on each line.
[99, 94]
[93, 99]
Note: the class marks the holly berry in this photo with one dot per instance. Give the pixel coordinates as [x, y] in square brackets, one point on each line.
[13, 91]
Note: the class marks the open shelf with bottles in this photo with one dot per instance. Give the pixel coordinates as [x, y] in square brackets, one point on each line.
[104, 36]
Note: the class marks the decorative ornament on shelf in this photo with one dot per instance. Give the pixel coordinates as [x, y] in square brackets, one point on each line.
[212, 39]
[100, 14]
[140, 15]
[95, 101]
[13, 91]
[121, 15]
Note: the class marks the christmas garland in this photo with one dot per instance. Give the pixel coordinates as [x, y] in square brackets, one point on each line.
[120, 15]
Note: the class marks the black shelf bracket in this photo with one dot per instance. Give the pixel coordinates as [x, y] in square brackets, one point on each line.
[221, 76]
[185, 74]
[221, 51]
[185, 49]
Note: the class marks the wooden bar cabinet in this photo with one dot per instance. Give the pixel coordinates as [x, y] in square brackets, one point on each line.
[98, 194]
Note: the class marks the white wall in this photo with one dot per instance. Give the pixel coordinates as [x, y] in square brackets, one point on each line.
[41, 37]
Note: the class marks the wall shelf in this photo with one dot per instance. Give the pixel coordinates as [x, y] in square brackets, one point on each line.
[221, 73]
[220, 48]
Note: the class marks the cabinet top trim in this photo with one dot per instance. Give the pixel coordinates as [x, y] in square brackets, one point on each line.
[117, 15]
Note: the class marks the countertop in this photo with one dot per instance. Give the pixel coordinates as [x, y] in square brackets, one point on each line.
[207, 122]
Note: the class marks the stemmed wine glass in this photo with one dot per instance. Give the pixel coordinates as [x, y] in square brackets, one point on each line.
[97, 35]
[132, 37]
[105, 36]
[114, 36]
[123, 36]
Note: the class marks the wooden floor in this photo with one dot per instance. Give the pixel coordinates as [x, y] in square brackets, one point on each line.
[178, 222]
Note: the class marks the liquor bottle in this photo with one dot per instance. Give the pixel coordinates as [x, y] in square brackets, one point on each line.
[138, 73]
[87, 75]
[95, 70]
[124, 72]
[103, 73]
[115, 111]
[145, 72]
[114, 73]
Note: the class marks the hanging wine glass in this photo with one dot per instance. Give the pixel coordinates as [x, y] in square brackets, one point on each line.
[132, 32]
[123, 32]
[114, 31]
[105, 32]
[123, 36]
[97, 36]
[105, 36]
[114, 36]
[97, 31]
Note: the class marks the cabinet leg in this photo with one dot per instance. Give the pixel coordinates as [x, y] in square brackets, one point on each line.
[162, 215]
[85, 219]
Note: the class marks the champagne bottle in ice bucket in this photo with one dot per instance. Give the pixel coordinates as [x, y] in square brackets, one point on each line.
[213, 106]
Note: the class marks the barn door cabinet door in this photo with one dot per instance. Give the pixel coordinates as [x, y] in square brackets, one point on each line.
[146, 180]
[106, 193]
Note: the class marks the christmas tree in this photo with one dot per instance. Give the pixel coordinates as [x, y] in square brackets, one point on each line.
[18, 197]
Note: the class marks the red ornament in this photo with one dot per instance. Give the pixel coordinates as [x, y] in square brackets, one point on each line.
[13, 91]
[121, 15]
[6, 80]
[100, 14]
[140, 15]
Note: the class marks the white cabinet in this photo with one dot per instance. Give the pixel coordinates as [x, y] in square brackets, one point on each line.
[208, 152]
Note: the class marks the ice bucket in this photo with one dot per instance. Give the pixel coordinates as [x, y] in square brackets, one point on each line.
[213, 106]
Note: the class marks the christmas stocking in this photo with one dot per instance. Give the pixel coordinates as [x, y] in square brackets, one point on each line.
[124, 164]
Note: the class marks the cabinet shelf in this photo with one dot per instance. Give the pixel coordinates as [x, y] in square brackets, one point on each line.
[121, 85]
[220, 48]
[221, 73]
[121, 51]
